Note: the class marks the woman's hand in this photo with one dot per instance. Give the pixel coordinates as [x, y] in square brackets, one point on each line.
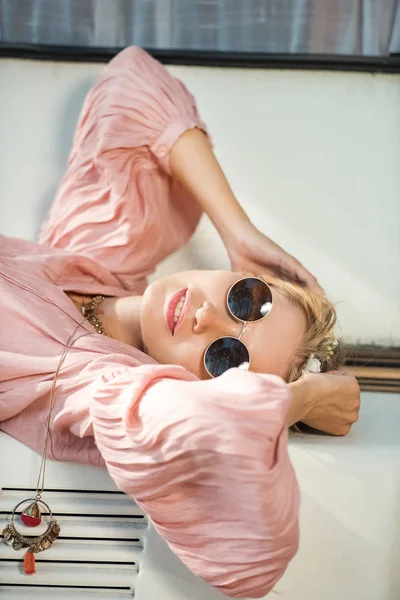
[333, 401]
[250, 250]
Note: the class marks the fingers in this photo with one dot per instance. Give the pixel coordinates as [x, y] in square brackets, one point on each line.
[353, 403]
[267, 271]
[293, 269]
[309, 279]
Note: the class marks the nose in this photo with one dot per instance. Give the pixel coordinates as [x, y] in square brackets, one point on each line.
[209, 318]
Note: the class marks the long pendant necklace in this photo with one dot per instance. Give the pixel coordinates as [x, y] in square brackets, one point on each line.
[31, 515]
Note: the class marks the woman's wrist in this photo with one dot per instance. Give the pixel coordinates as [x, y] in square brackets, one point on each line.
[302, 401]
[235, 226]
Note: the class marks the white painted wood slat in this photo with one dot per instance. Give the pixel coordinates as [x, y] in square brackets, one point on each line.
[99, 528]
[65, 501]
[58, 574]
[49, 593]
[81, 551]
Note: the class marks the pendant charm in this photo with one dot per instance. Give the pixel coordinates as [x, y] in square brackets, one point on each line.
[29, 563]
[32, 517]
[33, 544]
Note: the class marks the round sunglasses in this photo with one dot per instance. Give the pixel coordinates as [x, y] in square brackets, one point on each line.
[247, 300]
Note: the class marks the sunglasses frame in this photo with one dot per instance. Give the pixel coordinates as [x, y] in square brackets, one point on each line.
[238, 320]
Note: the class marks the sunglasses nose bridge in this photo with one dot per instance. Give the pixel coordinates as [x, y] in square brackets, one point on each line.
[244, 325]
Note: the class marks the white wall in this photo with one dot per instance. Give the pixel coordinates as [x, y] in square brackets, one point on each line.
[313, 156]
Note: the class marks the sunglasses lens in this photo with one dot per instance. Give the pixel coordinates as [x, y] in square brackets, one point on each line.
[250, 299]
[226, 353]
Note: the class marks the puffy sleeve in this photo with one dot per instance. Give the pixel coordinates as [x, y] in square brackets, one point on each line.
[207, 461]
[117, 202]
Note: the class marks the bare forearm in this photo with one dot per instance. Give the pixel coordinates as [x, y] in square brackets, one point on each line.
[194, 164]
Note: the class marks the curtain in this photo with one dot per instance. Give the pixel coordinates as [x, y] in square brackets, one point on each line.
[334, 27]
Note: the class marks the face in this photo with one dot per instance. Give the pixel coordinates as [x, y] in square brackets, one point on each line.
[272, 341]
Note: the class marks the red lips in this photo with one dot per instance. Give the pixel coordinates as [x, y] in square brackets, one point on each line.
[171, 307]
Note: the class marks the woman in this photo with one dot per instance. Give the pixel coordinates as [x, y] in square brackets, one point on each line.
[205, 457]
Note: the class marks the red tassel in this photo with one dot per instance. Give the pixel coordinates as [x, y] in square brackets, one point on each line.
[29, 563]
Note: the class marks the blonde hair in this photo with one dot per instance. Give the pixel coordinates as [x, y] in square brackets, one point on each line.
[318, 339]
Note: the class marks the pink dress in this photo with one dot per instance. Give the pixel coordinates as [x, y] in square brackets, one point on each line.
[207, 460]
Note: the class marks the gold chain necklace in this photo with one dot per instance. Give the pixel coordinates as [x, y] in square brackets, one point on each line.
[89, 311]
[32, 515]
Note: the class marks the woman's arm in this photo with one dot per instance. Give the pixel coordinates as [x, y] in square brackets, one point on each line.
[195, 166]
[302, 401]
